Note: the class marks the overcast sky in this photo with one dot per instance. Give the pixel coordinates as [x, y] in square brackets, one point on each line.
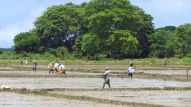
[18, 15]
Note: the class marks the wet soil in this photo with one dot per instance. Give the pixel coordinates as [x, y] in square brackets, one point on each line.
[87, 77]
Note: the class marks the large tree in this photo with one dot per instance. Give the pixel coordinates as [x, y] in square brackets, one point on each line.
[26, 42]
[60, 25]
[122, 44]
[113, 28]
[90, 45]
[171, 41]
[163, 43]
[107, 16]
[183, 33]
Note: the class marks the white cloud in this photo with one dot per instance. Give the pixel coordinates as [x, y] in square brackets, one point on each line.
[8, 33]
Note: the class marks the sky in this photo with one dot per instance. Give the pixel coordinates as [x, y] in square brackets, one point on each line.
[18, 15]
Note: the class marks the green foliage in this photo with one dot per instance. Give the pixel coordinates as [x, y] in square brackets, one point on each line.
[122, 43]
[60, 25]
[1, 52]
[77, 47]
[97, 29]
[90, 45]
[100, 29]
[26, 42]
[9, 55]
[163, 43]
[107, 16]
[62, 52]
[170, 42]
[183, 33]
[49, 56]
[167, 28]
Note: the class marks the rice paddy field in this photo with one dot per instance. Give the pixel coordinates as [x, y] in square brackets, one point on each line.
[151, 86]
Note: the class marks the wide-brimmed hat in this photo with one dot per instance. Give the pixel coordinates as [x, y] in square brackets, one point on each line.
[131, 63]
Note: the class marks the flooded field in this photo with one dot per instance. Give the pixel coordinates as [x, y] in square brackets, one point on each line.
[117, 69]
[87, 83]
[20, 100]
[166, 98]
[82, 87]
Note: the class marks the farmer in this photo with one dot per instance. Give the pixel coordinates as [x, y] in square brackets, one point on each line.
[106, 76]
[62, 69]
[56, 67]
[34, 66]
[51, 67]
[131, 70]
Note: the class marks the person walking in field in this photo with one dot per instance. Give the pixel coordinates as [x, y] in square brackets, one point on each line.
[106, 76]
[34, 66]
[131, 70]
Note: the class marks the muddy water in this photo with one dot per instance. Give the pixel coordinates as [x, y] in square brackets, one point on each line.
[124, 71]
[38, 83]
[20, 100]
[46, 73]
[166, 72]
[6, 68]
[166, 98]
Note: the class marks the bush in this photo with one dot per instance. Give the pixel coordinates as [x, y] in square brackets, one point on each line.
[62, 52]
[98, 56]
[189, 55]
[33, 56]
[1, 52]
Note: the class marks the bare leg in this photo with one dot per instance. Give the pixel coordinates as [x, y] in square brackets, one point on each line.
[103, 85]
[109, 84]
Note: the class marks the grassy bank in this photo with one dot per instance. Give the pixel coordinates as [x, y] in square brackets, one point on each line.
[146, 61]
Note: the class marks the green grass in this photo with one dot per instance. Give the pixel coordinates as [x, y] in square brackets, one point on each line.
[147, 61]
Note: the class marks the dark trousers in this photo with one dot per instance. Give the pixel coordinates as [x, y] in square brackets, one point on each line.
[106, 81]
[131, 75]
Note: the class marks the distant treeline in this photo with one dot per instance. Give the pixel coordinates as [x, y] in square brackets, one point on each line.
[103, 29]
[5, 49]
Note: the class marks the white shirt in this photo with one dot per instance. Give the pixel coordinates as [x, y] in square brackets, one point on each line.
[107, 72]
[61, 67]
[131, 69]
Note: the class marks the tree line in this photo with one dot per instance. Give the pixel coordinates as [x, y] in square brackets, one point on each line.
[103, 29]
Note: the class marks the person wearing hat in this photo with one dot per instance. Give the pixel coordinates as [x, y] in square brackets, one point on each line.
[51, 67]
[34, 66]
[131, 70]
[62, 69]
[106, 76]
